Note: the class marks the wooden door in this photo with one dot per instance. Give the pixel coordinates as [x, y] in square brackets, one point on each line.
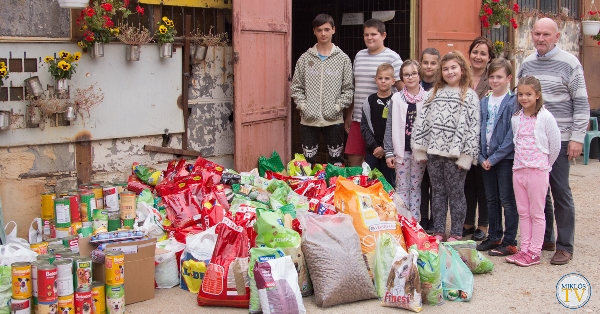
[448, 25]
[262, 65]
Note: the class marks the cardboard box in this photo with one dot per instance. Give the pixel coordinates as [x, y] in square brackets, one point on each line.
[139, 267]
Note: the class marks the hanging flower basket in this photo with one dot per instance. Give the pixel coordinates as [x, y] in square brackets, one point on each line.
[590, 28]
[73, 4]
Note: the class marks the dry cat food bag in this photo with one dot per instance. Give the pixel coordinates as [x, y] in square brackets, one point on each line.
[332, 251]
[403, 285]
[477, 262]
[277, 284]
[373, 214]
[260, 254]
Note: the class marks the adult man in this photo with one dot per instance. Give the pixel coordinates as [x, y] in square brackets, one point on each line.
[322, 88]
[565, 96]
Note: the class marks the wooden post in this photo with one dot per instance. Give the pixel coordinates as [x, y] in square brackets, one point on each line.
[83, 161]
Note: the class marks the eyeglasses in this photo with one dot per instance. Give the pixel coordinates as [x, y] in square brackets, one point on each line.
[409, 75]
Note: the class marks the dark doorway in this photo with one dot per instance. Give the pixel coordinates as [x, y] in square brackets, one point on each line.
[348, 37]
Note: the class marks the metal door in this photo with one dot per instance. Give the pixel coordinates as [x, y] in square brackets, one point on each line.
[262, 65]
[449, 25]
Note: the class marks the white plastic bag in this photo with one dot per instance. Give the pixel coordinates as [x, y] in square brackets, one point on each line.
[196, 257]
[12, 253]
[166, 273]
[35, 234]
[5, 289]
[11, 237]
[277, 284]
[152, 226]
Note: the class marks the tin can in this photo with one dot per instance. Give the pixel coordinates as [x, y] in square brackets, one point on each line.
[62, 193]
[46, 258]
[115, 299]
[114, 221]
[48, 205]
[21, 280]
[114, 261]
[100, 219]
[75, 226]
[40, 247]
[127, 205]
[99, 297]
[111, 198]
[83, 301]
[97, 190]
[64, 279]
[46, 281]
[34, 276]
[55, 247]
[54, 241]
[62, 213]
[72, 243]
[88, 204]
[47, 306]
[82, 272]
[66, 304]
[63, 232]
[18, 306]
[85, 231]
[48, 229]
[74, 201]
[127, 223]
[69, 255]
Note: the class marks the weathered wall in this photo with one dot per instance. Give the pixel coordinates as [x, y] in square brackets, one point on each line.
[34, 18]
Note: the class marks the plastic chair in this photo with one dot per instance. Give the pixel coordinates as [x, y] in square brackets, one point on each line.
[589, 135]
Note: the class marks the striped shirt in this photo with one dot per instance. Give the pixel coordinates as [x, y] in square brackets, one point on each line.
[563, 90]
[365, 69]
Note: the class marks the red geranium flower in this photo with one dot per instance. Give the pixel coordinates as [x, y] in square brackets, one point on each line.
[486, 24]
[516, 8]
[106, 6]
[488, 11]
[90, 12]
[139, 10]
[125, 3]
[496, 1]
[592, 13]
[484, 18]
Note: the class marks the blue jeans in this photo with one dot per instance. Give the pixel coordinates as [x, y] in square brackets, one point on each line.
[499, 193]
[377, 163]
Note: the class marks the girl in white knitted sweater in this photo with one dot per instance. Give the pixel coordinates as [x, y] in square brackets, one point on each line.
[446, 134]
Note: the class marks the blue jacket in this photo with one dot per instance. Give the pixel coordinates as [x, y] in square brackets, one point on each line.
[501, 144]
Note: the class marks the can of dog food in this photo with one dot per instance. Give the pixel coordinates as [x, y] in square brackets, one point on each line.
[48, 306]
[82, 270]
[55, 247]
[114, 262]
[72, 243]
[20, 306]
[34, 275]
[99, 297]
[49, 258]
[69, 255]
[88, 204]
[127, 223]
[74, 201]
[40, 247]
[63, 232]
[115, 299]
[127, 205]
[97, 190]
[64, 278]
[54, 241]
[111, 198]
[62, 252]
[21, 280]
[114, 221]
[46, 282]
[48, 231]
[66, 304]
[83, 301]
[62, 212]
[48, 205]
[100, 219]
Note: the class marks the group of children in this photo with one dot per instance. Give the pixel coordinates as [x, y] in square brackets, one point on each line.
[426, 116]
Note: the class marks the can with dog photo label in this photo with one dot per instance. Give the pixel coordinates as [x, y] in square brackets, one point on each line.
[66, 304]
[64, 278]
[115, 299]
[44, 307]
[83, 301]
[114, 262]
[21, 280]
[20, 306]
[46, 282]
[82, 272]
[99, 297]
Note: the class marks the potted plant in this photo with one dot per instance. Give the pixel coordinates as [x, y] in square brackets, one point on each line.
[165, 35]
[134, 37]
[61, 69]
[73, 4]
[203, 41]
[98, 26]
[496, 13]
[499, 49]
[3, 73]
[591, 21]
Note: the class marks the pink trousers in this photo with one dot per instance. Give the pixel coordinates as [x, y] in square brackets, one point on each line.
[531, 186]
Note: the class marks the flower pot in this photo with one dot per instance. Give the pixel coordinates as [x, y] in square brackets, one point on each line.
[590, 28]
[132, 52]
[34, 115]
[496, 25]
[4, 119]
[70, 113]
[33, 86]
[61, 88]
[73, 4]
[97, 50]
[165, 50]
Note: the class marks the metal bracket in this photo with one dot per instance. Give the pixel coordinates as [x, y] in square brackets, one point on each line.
[236, 57]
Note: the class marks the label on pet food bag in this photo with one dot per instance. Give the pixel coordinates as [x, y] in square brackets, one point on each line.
[64, 279]
[21, 281]
[20, 306]
[115, 267]
[99, 297]
[66, 304]
[83, 301]
[82, 270]
[45, 307]
[115, 299]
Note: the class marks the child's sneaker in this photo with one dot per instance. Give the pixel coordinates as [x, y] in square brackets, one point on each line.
[504, 250]
[439, 237]
[527, 259]
[511, 258]
[488, 244]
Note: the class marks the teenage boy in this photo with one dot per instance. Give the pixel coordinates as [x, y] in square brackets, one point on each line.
[322, 88]
[365, 67]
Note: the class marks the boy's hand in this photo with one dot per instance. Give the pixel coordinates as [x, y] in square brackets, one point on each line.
[486, 165]
[390, 162]
[379, 152]
[348, 122]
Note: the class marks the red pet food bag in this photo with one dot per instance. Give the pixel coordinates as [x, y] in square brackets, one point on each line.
[414, 234]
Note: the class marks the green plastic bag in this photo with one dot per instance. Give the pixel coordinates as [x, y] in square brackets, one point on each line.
[457, 279]
[384, 256]
[335, 171]
[428, 264]
[376, 174]
[5, 289]
[260, 254]
[273, 163]
[477, 262]
[298, 166]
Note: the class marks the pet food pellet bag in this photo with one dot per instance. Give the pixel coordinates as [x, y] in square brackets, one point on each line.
[477, 262]
[260, 254]
[457, 279]
[384, 256]
[335, 262]
[414, 234]
[276, 281]
[428, 264]
[373, 214]
[403, 285]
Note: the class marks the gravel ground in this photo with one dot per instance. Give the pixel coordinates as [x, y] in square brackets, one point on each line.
[508, 289]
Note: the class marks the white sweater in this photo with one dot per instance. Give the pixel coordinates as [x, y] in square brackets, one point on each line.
[546, 132]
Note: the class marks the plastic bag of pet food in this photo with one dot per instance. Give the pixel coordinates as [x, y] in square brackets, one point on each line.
[334, 258]
[298, 166]
[166, 272]
[384, 256]
[428, 264]
[272, 233]
[260, 254]
[195, 258]
[134, 184]
[373, 214]
[183, 209]
[376, 174]
[277, 289]
[332, 171]
[477, 262]
[226, 281]
[414, 234]
[146, 174]
[272, 163]
[457, 279]
[403, 285]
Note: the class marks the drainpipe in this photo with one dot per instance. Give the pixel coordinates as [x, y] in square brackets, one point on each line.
[186, 80]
